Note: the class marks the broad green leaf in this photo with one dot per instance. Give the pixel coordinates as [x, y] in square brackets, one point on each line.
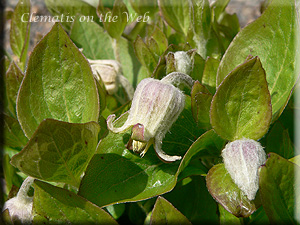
[119, 13]
[165, 213]
[144, 55]
[92, 38]
[226, 218]
[14, 77]
[58, 84]
[210, 74]
[177, 14]
[116, 174]
[58, 151]
[279, 142]
[241, 107]
[221, 186]
[20, 31]
[273, 38]
[54, 205]
[276, 183]
[13, 134]
[201, 101]
[191, 198]
[66, 11]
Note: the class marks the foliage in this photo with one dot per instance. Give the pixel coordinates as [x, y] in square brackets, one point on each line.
[55, 112]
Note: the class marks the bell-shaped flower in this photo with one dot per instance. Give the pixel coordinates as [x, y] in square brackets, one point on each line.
[110, 72]
[242, 158]
[20, 207]
[156, 105]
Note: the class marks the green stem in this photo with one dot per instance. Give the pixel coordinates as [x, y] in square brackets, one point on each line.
[115, 45]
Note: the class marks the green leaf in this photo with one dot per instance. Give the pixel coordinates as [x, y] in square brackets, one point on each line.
[14, 77]
[218, 8]
[10, 175]
[13, 134]
[258, 217]
[241, 107]
[210, 74]
[54, 205]
[191, 198]
[128, 60]
[276, 183]
[201, 100]
[165, 213]
[273, 38]
[58, 84]
[20, 31]
[279, 142]
[58, 151]
[144, 55]
[119, 13]
[144, 7]
[117, 175]
[177, 14]
[226, 218]
[92, 38]
[116, 210]
[157, 42]
[226, 192]
[198, 67]
[200, 27]
[66, 11]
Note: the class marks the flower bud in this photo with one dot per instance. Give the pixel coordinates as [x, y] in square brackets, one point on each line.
[242, 158]
[109, 71]
[156, 105]
[183, 62]
[20, 207]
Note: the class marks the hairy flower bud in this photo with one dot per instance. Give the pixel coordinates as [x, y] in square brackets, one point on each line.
[156, 105]
[20, 207]
[183, 62]
[109, 72]
[242, 158]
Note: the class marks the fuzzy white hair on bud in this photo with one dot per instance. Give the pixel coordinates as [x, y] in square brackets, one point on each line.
[156, 105]
[20, 207]
[183, 62]
[110, 72]
[242, 158]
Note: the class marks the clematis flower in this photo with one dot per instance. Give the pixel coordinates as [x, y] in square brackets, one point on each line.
[20, 207]
[110, 72]
[156, 105]
[242, 158]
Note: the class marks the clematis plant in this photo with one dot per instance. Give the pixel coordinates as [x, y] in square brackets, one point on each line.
[156, 105]
[216, 100]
